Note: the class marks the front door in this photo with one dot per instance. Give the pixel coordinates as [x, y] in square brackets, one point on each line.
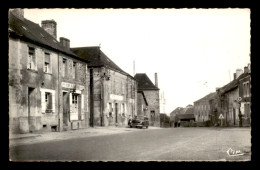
[65, 108]
[116, 111]
[31, 108]
[74, 106]
[234, 116]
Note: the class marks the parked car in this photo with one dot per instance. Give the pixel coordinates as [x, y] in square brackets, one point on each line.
[139, 122]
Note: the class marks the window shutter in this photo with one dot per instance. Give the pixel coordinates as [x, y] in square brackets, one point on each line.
[82, 107]
[50, 102]
[43, 104]
[53, 101]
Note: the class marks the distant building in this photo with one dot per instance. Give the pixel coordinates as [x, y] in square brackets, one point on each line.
[178, 110]
[151, 93]
[202, 108]
[180, 115]
[113, 92]
[47, 82]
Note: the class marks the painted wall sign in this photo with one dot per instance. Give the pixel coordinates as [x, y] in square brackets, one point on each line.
[116, 97]
[67, 85]
[71, 86]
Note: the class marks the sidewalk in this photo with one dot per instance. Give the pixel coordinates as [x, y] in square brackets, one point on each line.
[38, 137]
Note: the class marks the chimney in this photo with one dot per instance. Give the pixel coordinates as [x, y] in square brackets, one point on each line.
[238, 72]
[246, 70]
[235, 76]
[65, 42]
[19, 13]
[156, 80]
[50, 26]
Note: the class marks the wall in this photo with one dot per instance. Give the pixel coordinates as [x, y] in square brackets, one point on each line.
[231, 114]
[141, 107]
[201, 111]
[152, 97]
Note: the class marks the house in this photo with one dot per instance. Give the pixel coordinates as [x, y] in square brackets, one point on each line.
[202, 108]
[228, 97]
[245, 95]
[40, 88]
[151, 93]
[113, 92]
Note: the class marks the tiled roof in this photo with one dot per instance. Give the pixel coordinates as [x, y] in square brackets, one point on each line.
[31, 31]
[185, 116]
[96, 58]
[207, 97]
[144, 83]
[233, 84]
[188, 110]
[177, 110]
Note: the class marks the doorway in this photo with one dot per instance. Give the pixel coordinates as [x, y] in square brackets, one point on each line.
[65, 108]
[116, 111]
[31, 108]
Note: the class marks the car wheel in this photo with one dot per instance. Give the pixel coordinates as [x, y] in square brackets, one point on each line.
[130, 126]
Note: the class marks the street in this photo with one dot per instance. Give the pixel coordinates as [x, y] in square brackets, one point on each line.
[166, 144]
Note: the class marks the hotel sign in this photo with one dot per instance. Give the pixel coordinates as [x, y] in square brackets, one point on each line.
[72, 86]
[116, 97]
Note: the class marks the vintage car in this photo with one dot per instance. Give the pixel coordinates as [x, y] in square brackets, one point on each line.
[139, 122]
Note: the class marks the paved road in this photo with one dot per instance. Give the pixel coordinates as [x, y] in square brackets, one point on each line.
[170, 144]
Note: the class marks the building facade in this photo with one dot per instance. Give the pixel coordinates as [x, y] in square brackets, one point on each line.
[35, 82]
[113, 92]
[202, 108]
[151, 93]
[230, 106]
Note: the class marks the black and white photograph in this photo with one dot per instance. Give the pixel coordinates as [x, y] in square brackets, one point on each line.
[129, 85]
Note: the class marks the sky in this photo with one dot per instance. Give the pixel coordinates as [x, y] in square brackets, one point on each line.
[193, 51]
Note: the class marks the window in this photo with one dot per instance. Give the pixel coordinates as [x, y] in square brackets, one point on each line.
[64, 61]
[75, 98]
[74, 70]
[47, 100]
[31, 61]
[246, 89]
[47, 65]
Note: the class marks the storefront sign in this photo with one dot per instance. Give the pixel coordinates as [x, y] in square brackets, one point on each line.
[72, 86]
[67, 85]
[116, 97]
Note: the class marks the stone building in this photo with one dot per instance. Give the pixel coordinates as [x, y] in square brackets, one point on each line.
[39, 88]
[228, 99]
[202, 108]
[113, 94]
[151, 93]
[245, 94]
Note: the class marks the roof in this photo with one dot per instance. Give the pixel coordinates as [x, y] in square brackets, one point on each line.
[185, 116]
[207, 97]
[144, 83]
[177, 110]
[233, 84]
[96, 58]
[30, 31]
[188, 110]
